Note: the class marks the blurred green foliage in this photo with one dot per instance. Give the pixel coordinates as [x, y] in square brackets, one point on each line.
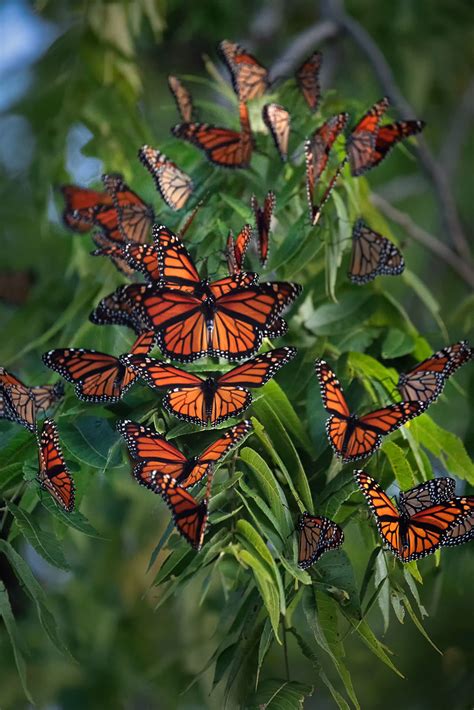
[106, 608]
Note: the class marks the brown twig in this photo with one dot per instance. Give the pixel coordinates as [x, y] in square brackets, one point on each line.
[423, 237]
[334, 10]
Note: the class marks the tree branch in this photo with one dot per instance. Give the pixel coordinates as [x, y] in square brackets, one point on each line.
[420, 235]
[302, 45]
[456, 137]
[334, 10]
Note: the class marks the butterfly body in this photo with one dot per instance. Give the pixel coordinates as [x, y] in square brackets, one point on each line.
[213, 399]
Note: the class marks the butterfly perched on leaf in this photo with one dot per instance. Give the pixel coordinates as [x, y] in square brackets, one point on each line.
[53, 474]
[183, 98]
[423, 519]
[249, 77]
[96, 376]
[222, 146]
[277, 119]
[372, 255]
[426, 380]
[216, 398]
[317, 535]
[352, 436]
[151, 451]
[121, 308]
[390, 134]
[173, 184]
[237, 248]
[307, 78]
[22, 404]
[263, 217]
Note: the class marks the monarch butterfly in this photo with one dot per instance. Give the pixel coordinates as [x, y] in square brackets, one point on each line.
[178, 271]
[53, 474]
[315, 208]
[353, 437]
[307, 78]
[317, 535]
[231, 325]
[22, 404]
[189, 516]
[222, 146]
[183, 98]
[321, 142]
[97, 377]
[173, 184]
[263, 218]
[217, 398]
[82, 206]
[278, 119]
[372, 255]
[389, 135]
[249, 77]
[150, 451]
[135, 217]
[427, 379]
[236, 249]
[121, 308]
[361, 143]
[415, 535]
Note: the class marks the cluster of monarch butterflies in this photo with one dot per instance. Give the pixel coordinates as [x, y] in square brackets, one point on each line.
[188, 317]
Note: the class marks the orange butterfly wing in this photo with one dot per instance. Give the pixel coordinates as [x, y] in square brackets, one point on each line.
[362, 141]
[372, 255]
[53, 474]
[82, 205]
[222, 146]
[173, 184]
[121, 308]
[307, 78]
[388, 136]
[427, 379]
[317, 535]
[183, 98]
[278, 120]
[236, 249]
[263, 217]
[249, 77]
[135, 217]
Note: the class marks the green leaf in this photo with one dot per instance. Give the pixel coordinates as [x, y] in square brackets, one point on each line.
[36, 593]
[44, 543]
[445, 445]
[266, 586]
[89, 439]
[276, 694]
[308, 652]
[400, 465]
[268, 485]
[334, 318]
[7, 616]
[264, 646]
[281, 449]
[370, 640]
[74, 520]
[321, 616]
[396, 344]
